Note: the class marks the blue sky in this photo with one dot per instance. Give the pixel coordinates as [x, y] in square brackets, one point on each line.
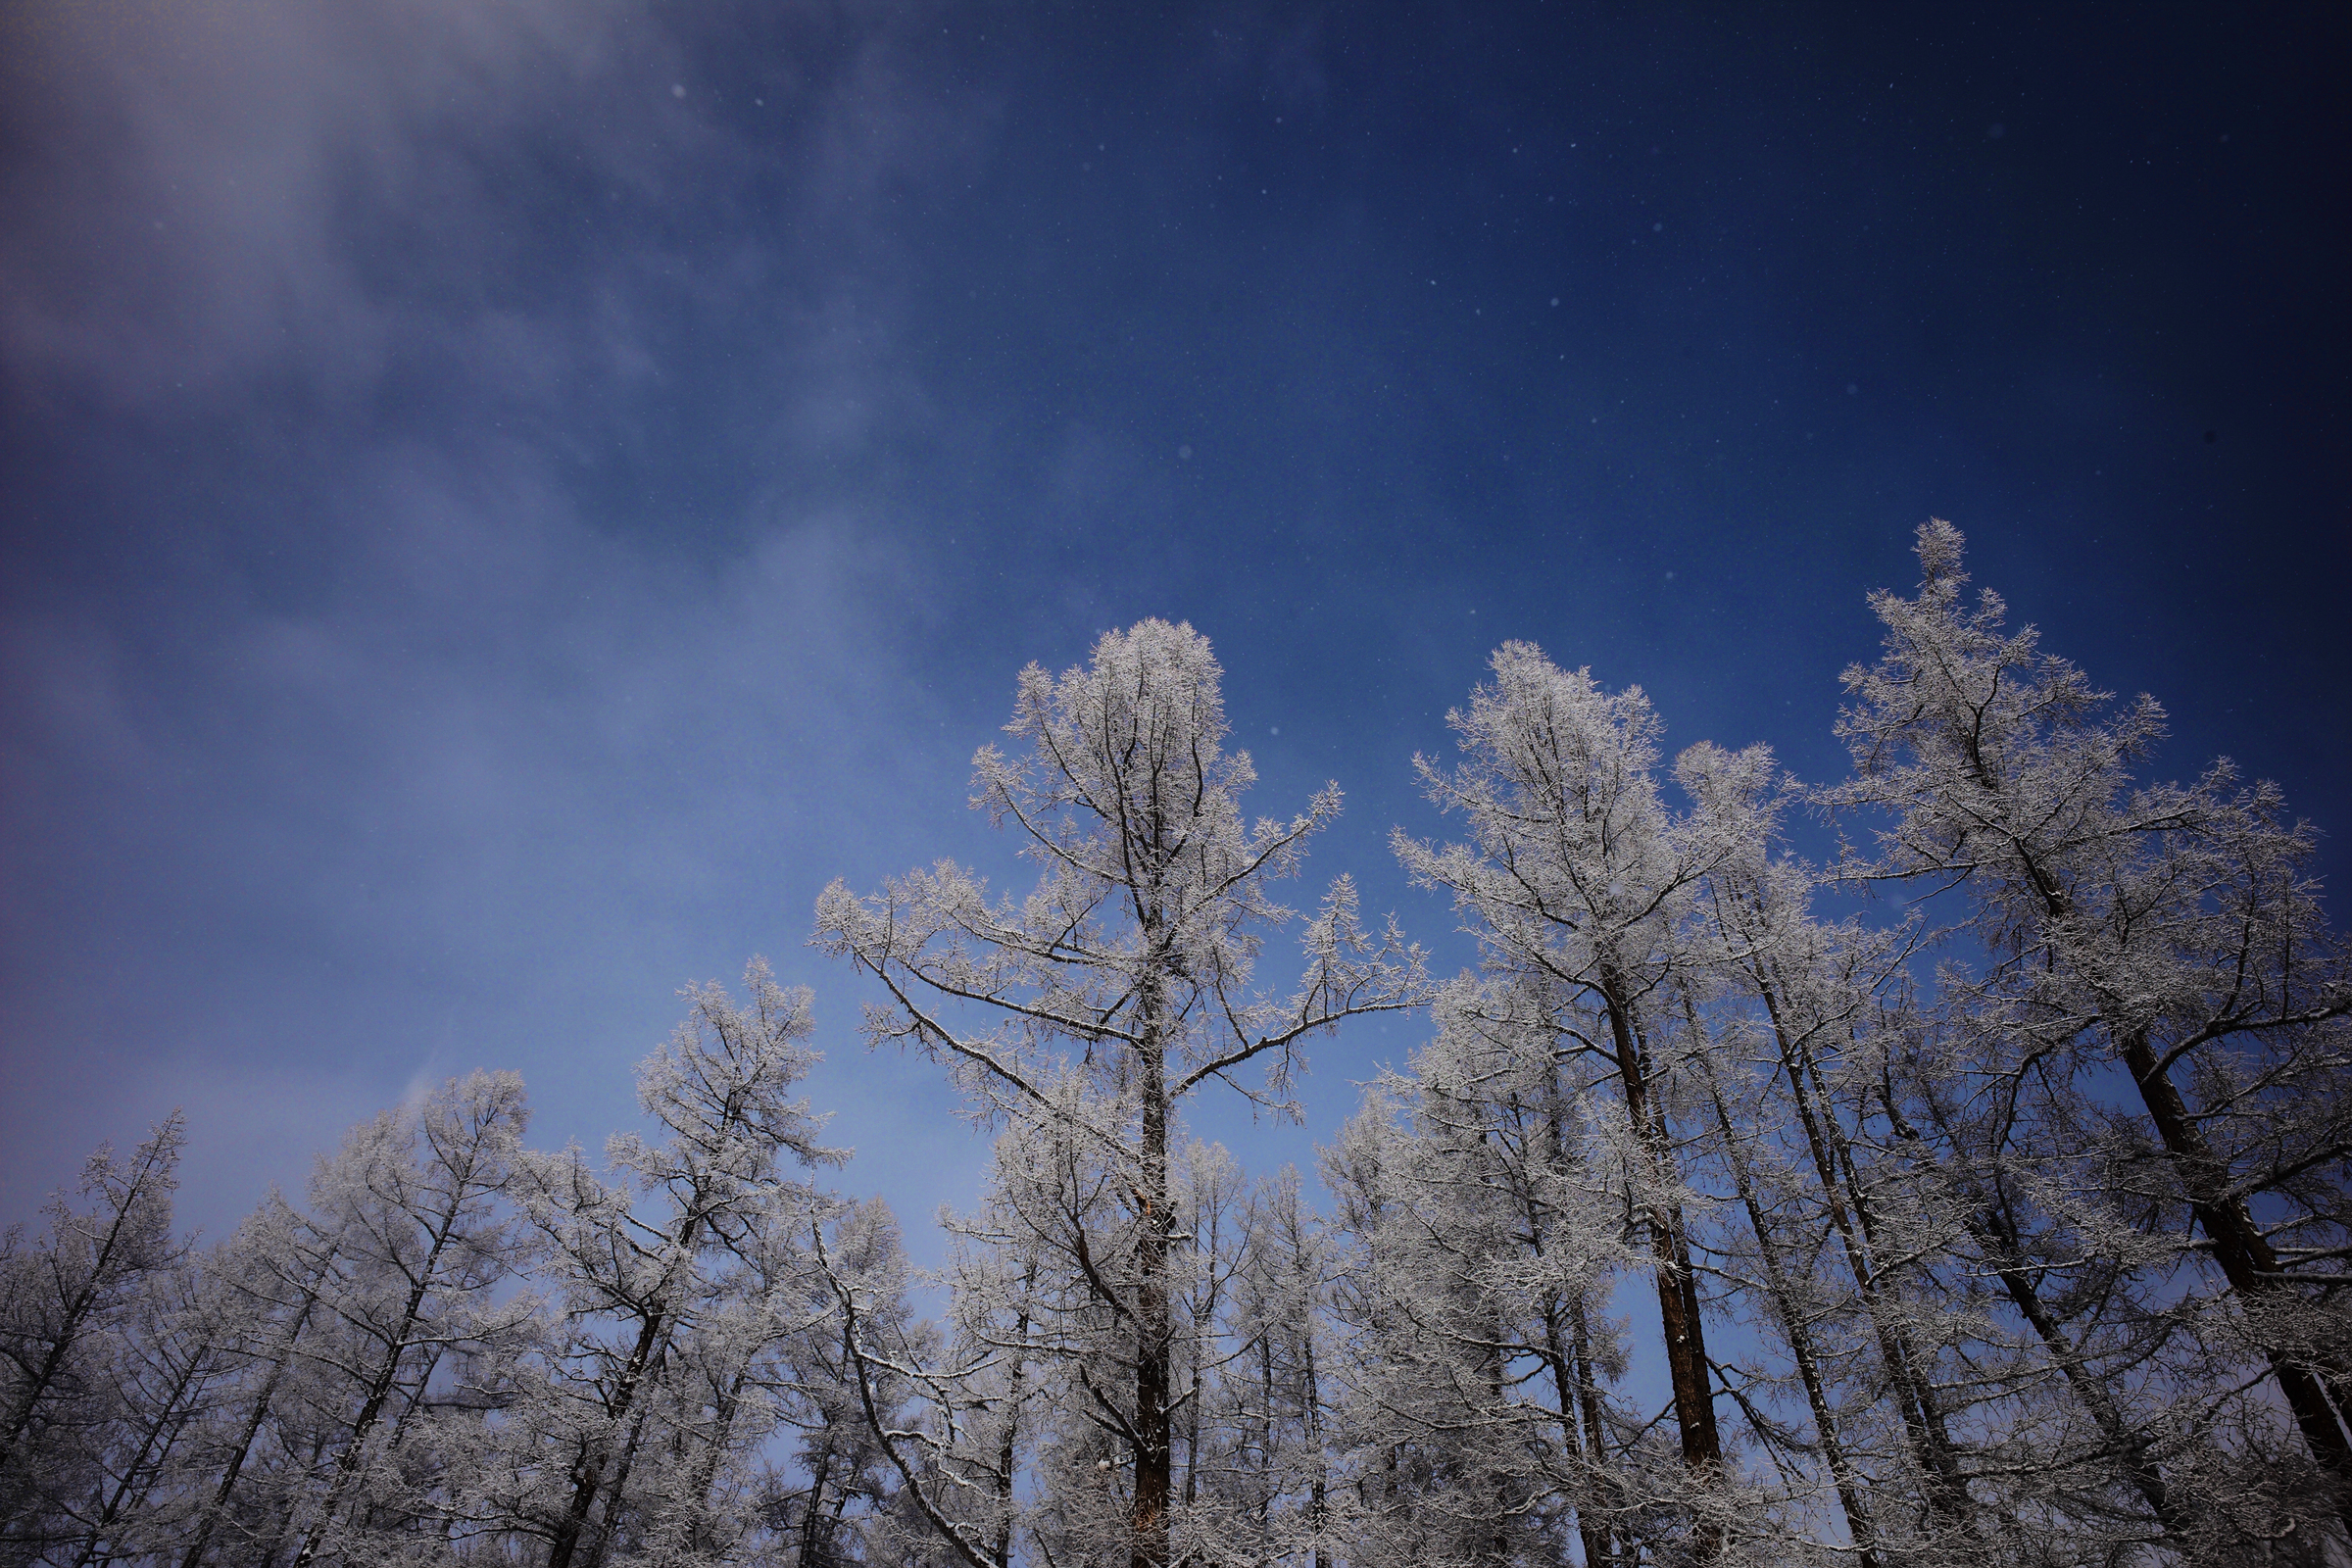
[504, 501]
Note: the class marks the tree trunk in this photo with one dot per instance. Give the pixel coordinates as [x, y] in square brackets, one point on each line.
[616, 1494]
[588, 1476]
[174, 1417]
[1148, 1523]
[1800, 1341]
[253, 1427]
[1588, 1396]
[1997, 1232]
[1499, 1544]
[380, 1388]
[1564, 1392]
[1312, 1405]
[699, 1537]
[812, 1529]
[1686, 1343]
[1008, 1448]
[2244, 1254]
[1923, 1411]
[1923, 1419]
[153, 1163]
[1568, 1369]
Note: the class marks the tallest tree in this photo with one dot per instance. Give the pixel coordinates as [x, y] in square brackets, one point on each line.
[2172, 932]
[1083, 1016]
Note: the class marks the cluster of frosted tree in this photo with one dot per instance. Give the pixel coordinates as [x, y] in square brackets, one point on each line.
[462, 1350]
[1708, 1226]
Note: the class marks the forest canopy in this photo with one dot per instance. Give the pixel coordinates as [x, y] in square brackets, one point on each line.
[1976, 1194]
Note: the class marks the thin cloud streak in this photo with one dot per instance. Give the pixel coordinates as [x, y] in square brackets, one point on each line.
[372, 771]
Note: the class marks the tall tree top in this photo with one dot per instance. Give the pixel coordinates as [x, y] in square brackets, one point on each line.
[1142, 935]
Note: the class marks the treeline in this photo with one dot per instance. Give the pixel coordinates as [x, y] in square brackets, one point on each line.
[1999, 1220]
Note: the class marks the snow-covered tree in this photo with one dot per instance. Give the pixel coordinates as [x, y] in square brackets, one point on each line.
[636, 1387]
[332, 1336]
[959, 1419]
[248, 1472]
[2156, 955]
[1119, 987]
[1662, 1030]
[1260, 1427]
[414, 1251]
[1576, 882]
[841, 1499]
[2033, 1254]
[64, 1298]
[1481, 1212]
[1778, 1025]
[164, 1367]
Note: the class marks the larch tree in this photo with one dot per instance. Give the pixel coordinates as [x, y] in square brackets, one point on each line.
[2163, 939]
[1085, 1016]
[166, 1367]
[335, 1334]
[1778, 1021]
[1576, 881]
[62, 1296]
[1266, 1431]
[419, 1247]
[2036, 1254]
[645, 1260]
[250, 1468]
[1480, 1208]
[839, 1500]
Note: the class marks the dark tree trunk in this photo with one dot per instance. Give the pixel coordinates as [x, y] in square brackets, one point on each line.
[1151, 1444]
[1007, 1449]
[588, 1476]
[380, 1388]
[1832, 1163]
[1686, 1342]
[259, 1414]
[2245, 1255]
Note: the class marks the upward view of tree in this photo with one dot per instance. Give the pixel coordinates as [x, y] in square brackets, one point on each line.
[2167, 930]
[1578, 884]
[1714, 1220]
[1085, 1016]
[65, 1299]
[676, 1271]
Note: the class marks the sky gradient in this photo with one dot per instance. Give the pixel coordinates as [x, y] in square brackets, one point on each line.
[501, 502]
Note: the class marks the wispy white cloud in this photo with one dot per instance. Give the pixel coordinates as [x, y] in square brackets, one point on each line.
[373, 771]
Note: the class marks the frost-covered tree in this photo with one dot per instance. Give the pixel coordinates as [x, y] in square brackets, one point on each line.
[267, 1286]
[65, 1297]
[1085, 1016]
[1260, 1427]
[1660, 1071]
[2159, 940]
[627, 1400]
[841, 1499]
[337, 1334]
[164, 1367]
[985, 1428]
[1780, 1024]
[1576, 882]
[247, 1471]
[415, 1252]
[2011, 1230]
[1480, 1210]
[455, 1349]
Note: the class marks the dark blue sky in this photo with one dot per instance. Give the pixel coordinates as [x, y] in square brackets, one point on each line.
[501, 502]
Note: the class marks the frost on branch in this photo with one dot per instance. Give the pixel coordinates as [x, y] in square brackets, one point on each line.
[1081, 1016]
